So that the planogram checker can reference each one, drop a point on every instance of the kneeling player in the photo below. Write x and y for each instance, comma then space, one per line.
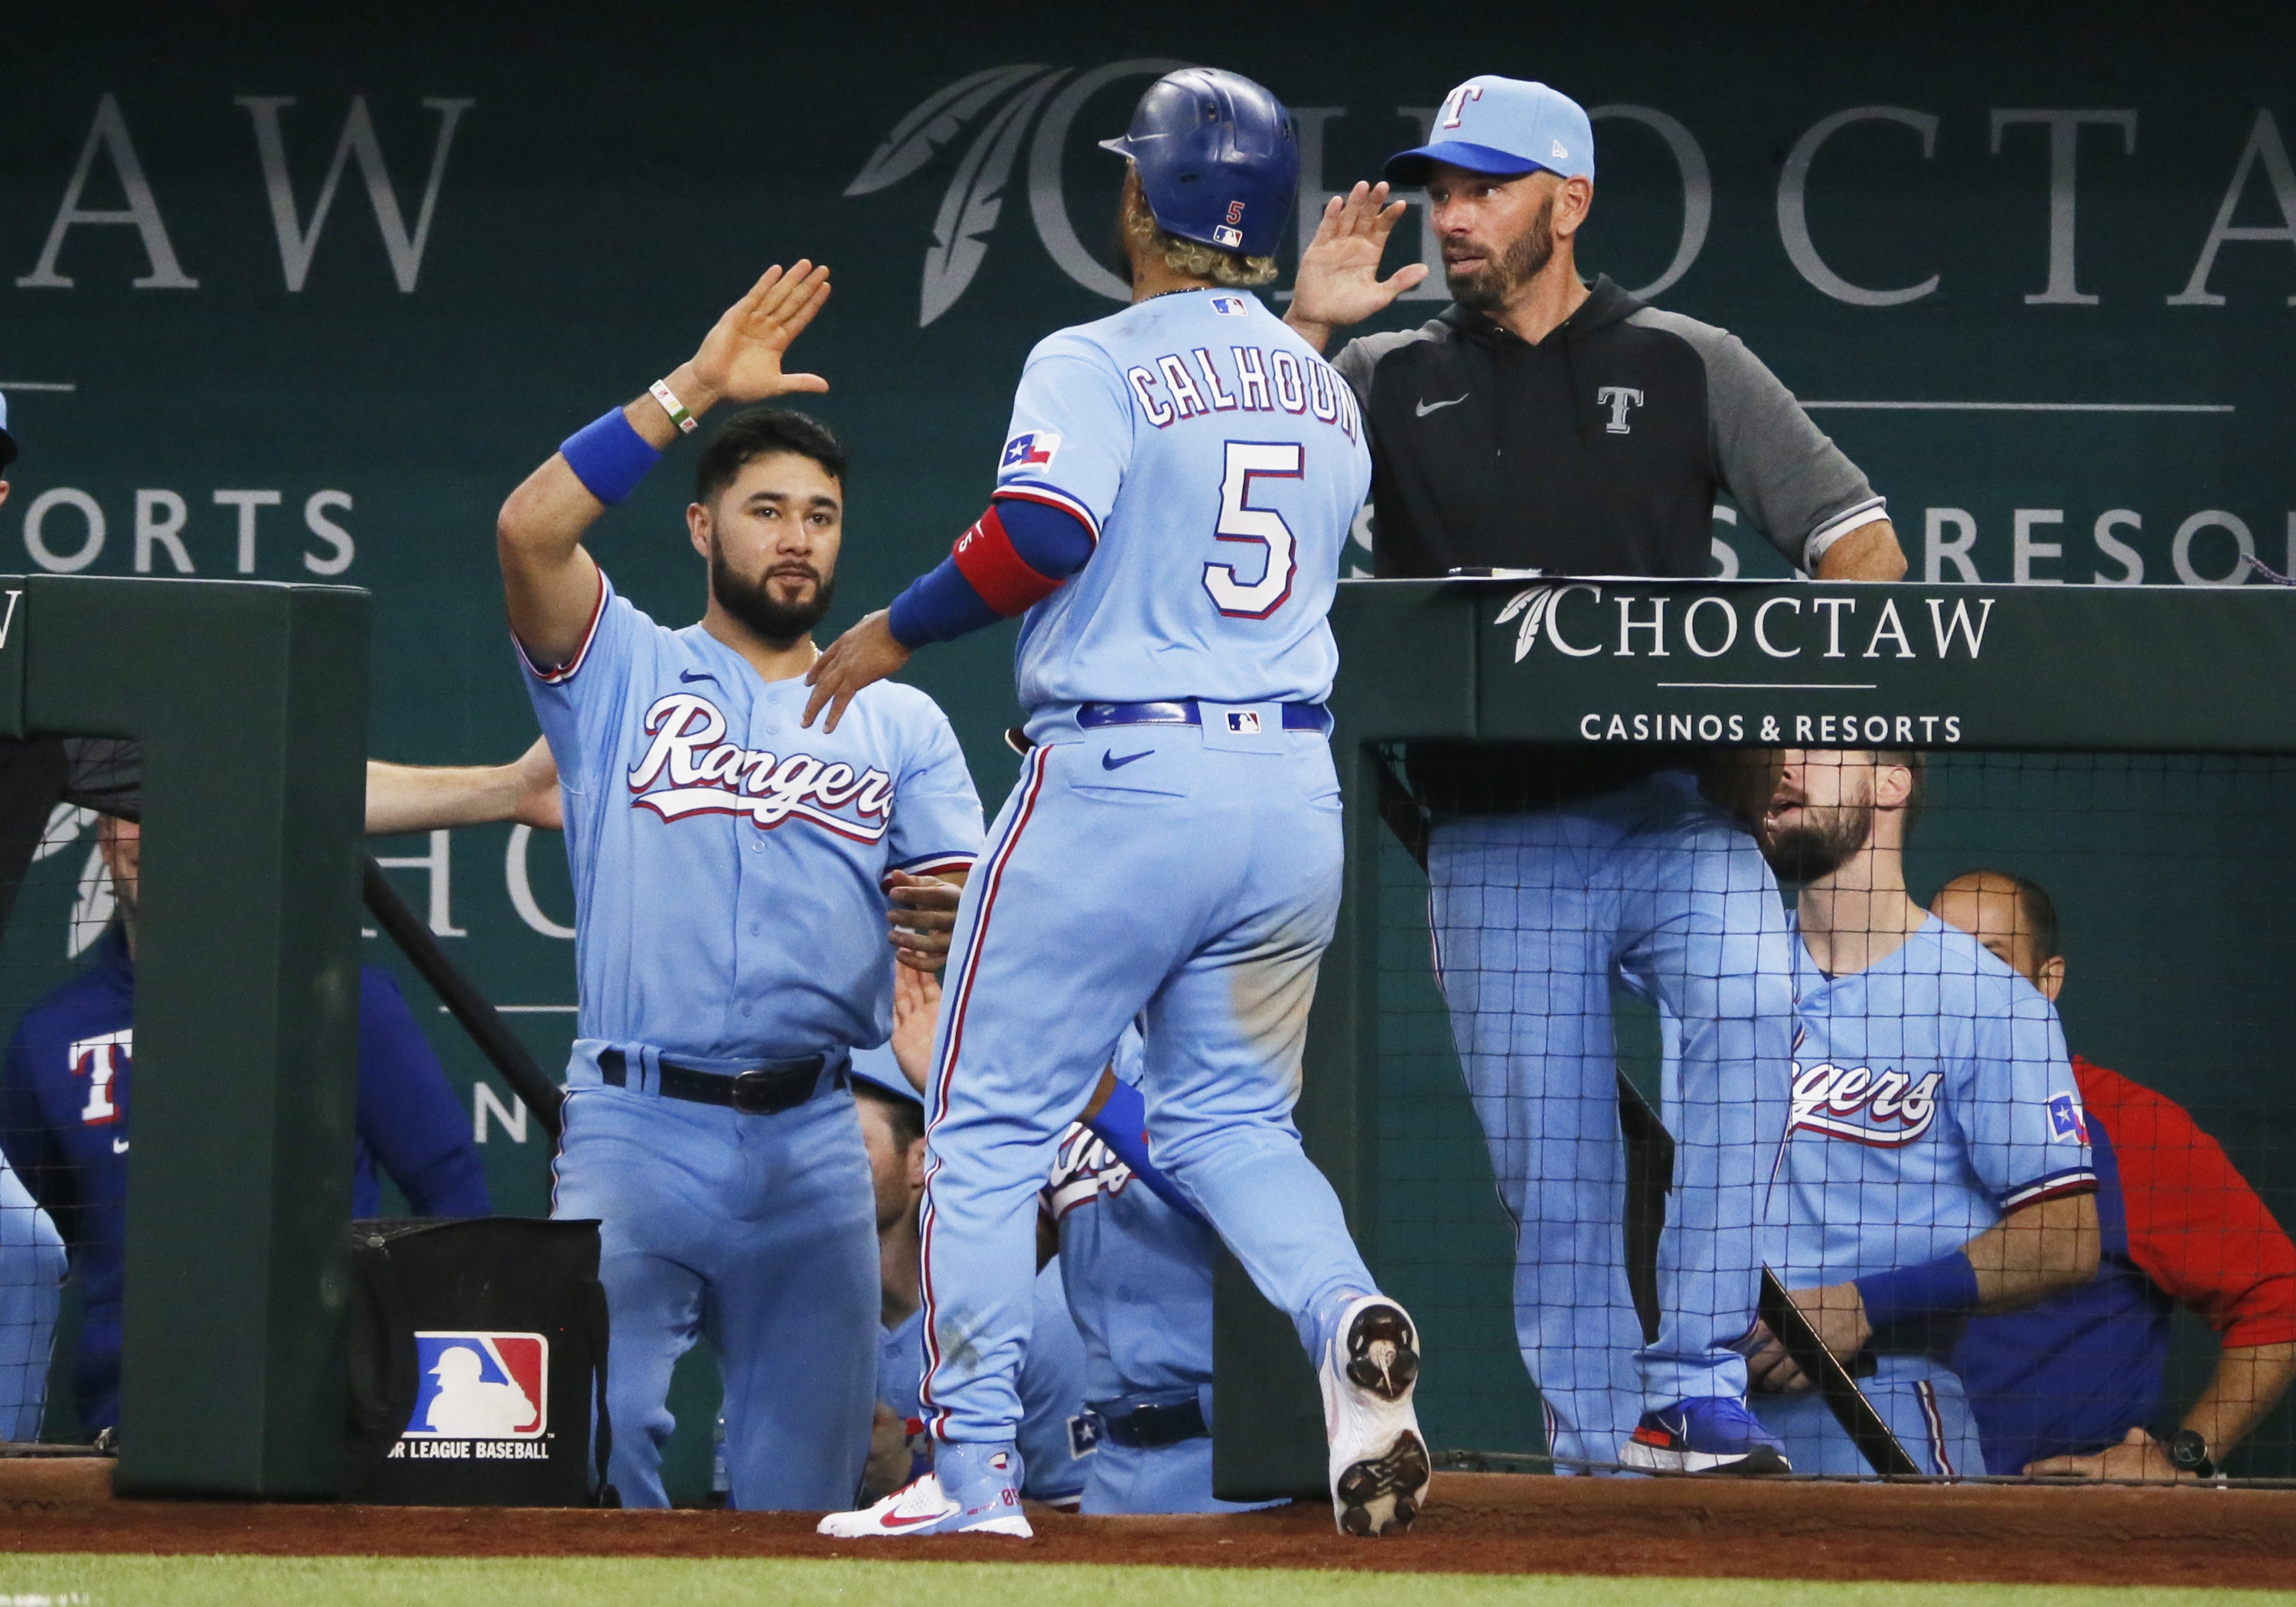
1936, 1163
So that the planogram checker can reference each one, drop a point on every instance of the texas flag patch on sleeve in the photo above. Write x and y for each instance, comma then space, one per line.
2065, 1121
1035, 449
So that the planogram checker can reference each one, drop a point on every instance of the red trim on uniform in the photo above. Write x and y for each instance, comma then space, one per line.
2195, 1227
2062, 1185
565, 672
1925, 1392
985, 557
959, 1001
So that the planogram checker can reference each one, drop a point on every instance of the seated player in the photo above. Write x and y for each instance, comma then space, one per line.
1139, 1265
64, 1120
2068, 1386
1935, 1164
1053, 1378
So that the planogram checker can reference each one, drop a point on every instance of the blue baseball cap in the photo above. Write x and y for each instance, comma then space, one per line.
881, 1071
7, 441
1495, 125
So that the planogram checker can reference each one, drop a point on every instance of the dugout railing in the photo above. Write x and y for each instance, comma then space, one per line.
2113, 687
249, 702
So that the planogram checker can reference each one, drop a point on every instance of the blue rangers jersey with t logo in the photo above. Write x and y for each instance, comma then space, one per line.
1933, 1095
1217, 462
729, 861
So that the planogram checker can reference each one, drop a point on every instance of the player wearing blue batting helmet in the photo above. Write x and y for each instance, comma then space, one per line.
1219, 163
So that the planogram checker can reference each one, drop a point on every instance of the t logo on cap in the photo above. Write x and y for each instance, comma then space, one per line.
1503, 126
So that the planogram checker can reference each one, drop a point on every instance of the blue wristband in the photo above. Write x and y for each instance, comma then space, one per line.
609, 456
1944, 1287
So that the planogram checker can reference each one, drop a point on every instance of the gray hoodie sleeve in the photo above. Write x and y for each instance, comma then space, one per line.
1791, 483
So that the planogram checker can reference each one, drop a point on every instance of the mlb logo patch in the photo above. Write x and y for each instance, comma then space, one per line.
2065, 1122
1230, 306
1233, 239
1243, 722
1036, 447
481, 1386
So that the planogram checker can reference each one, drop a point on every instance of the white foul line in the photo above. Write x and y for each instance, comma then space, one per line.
2028, 407
34, 385
1768, 685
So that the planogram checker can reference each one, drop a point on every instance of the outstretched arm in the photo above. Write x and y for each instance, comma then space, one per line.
424, 798
550, 582
1339, 282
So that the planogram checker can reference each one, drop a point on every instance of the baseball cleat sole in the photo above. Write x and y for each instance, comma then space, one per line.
1380, 1469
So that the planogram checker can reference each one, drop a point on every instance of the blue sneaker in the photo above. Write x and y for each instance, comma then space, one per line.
1706, 1434
972, 1489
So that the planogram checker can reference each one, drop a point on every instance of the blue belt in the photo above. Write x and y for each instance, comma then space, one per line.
1187, 711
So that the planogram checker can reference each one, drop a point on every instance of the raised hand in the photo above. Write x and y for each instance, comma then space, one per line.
740, 358
923, 917
1339, 282
917, 1012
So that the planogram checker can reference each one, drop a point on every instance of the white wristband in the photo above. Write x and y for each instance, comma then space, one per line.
660, 393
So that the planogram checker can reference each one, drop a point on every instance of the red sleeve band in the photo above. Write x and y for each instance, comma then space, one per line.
986, 557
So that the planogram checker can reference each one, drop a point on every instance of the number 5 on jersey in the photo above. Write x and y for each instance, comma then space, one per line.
1239, 521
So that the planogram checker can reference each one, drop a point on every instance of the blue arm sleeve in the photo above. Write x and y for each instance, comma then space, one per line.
939, 606
944, 604
1122, 1125
407, 1114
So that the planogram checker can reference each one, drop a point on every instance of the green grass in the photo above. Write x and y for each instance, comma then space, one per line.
135, 1581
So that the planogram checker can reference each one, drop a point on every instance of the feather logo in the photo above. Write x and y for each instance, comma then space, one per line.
999, 106
1532, 603
974, 201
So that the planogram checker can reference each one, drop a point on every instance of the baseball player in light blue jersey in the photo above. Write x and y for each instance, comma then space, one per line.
730, 871
1172, 500
1935, 1161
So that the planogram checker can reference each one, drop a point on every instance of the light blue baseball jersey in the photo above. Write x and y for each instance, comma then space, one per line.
1931, 1096
727, 862
1242, 457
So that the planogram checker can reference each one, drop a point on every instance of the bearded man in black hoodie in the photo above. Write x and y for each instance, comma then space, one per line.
1544, 426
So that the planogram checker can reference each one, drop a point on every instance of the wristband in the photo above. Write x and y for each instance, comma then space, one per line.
660, 393
1939, 1288
609, 456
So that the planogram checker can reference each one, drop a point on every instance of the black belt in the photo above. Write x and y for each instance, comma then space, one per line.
1187, 711
1152, 1423
760, 1091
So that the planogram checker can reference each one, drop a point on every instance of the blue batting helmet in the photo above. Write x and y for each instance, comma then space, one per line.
1218, 159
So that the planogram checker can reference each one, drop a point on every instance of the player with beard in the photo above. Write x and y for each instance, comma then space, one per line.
1545, 424
734, 876
1936, 1162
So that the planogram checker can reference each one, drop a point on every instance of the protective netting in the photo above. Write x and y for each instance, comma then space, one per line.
63, 1084
1933, 1102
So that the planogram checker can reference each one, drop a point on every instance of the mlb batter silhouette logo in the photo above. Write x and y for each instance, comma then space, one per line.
481, 1386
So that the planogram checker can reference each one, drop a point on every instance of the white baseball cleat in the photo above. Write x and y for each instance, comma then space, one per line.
1379, 1465
923, 1507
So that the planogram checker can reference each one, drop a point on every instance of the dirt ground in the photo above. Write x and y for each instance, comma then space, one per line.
1475, 1523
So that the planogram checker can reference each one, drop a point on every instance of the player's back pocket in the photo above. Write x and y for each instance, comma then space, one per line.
1130, 767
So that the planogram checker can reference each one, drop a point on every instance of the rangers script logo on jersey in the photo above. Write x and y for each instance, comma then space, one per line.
709, 775
1888, 1111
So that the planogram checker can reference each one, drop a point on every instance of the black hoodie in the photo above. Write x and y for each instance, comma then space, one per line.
1599, 451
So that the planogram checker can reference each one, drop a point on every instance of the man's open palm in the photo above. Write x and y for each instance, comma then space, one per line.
740, 358
1338, 281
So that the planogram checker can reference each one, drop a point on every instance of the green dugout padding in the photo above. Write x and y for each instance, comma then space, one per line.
1615, 663
250, 701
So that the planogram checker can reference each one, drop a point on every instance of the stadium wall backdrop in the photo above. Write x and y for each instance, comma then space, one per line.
299, 297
